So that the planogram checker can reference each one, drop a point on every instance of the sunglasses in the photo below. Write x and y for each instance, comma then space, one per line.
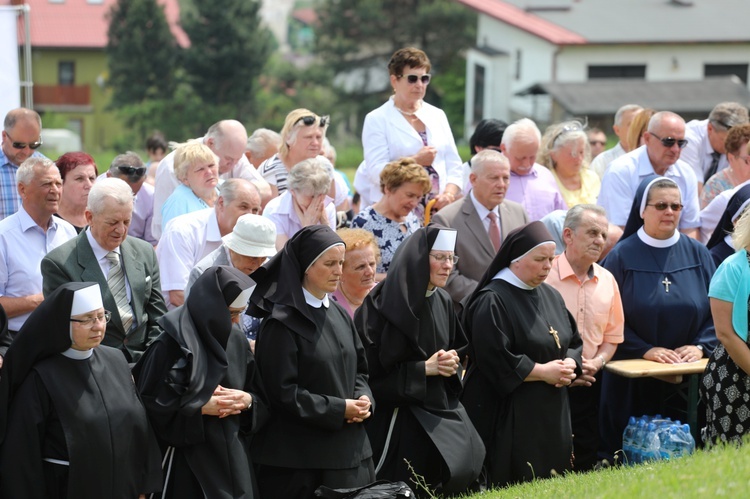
661, 206
24, 145
425, 78
671, 141
310, 120
132, 171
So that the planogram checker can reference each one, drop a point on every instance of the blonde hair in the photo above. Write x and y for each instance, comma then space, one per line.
290, 129
402, 171
741, 233
359, 238
637, 127
189, 154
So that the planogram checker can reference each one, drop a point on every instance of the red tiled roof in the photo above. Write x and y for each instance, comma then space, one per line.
80, 24
307, 16
525, 21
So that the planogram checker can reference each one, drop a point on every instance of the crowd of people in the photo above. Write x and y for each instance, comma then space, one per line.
228, 320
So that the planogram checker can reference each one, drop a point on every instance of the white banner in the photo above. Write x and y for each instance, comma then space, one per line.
10, 80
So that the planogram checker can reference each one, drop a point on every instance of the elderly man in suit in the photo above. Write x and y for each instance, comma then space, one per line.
482, 220
125, 268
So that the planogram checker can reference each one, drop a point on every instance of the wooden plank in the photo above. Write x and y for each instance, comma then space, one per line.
642, 368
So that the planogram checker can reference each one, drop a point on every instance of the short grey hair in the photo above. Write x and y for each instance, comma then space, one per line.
725, 115
523, 127
261, 140
109, 188
575, 215
485, 157
627, 108
28, 169
128, 159
229, 189
309, 175
560, 134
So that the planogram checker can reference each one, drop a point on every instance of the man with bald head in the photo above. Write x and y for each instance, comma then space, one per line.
22, 135
482, 219
228, 140
531, 184
665, 139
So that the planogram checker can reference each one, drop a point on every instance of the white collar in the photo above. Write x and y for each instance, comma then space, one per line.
728, 240
430, 292
482, 210
508, 276
658, 243
74, 354
99, 252
315, 302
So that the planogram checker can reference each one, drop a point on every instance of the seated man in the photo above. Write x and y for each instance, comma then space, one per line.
189, 238
125, 268
482, 219
130, 168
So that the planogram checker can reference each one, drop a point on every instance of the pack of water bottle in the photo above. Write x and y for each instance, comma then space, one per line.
655, 438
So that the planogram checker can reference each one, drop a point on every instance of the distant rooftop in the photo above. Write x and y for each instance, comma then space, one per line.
572, 22
606, 96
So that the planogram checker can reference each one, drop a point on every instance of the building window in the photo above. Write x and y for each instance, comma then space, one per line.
740, 70
478, 113
625, 71
66, 73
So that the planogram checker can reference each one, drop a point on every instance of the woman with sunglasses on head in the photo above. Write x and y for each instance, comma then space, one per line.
566, 152
663, 277
407, 126
71, 422
78, 171
302, 138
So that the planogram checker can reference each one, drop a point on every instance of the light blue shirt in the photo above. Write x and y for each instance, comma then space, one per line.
183, 200
23, 244
623, 177
9, 198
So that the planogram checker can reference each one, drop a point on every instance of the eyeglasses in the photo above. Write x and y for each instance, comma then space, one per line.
88, 323
310, 120
132, 171
24, 145
442, 258
425, 78
671, 141
661, 206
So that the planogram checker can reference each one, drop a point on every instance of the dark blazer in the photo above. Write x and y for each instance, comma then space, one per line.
473, 245
75, 261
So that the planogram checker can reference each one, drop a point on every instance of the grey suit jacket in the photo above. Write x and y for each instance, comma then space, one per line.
74, 261
216, 257
473, 245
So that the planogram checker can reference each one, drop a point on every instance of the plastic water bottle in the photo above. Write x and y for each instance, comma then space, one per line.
687, 437
628, 440
640, 437
651, 444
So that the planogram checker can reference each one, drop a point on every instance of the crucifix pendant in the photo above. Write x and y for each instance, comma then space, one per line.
554, 335
666, 283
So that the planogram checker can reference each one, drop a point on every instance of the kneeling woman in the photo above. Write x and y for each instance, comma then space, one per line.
415, 346
525, 352
71, 423
200, 387
315, 372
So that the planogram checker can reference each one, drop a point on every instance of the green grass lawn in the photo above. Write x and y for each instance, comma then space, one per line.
721, 472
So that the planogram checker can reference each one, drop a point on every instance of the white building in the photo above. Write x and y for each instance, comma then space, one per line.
553, 59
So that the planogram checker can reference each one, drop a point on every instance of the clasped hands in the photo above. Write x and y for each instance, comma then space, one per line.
442, 363
357, 410
226, 402
559, 372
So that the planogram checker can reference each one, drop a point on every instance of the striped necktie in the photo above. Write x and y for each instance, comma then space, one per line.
116, 283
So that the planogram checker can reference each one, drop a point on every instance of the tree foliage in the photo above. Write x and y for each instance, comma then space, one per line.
228, 51
141, 52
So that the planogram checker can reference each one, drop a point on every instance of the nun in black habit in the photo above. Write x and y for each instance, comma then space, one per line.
71, 422
414, 348
720, 242
202, 392
315, 371
524, 351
